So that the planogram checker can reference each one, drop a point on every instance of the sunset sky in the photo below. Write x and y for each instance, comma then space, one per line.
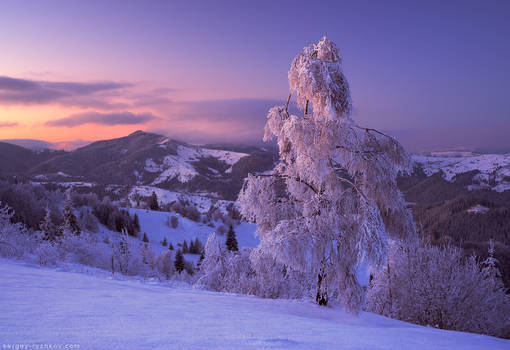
435, 74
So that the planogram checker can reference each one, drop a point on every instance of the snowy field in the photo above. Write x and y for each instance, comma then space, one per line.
154, 224
40, 306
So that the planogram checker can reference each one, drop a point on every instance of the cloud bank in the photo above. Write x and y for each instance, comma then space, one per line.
110, 119
14, 91
8, 124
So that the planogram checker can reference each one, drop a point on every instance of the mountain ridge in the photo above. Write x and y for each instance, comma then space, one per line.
142, 158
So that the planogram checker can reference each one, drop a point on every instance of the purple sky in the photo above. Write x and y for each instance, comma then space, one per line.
436, 74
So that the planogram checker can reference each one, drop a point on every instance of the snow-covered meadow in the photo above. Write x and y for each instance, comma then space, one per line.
154, 224
40, 306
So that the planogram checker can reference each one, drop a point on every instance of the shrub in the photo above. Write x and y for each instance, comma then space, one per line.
173, 221
438, 287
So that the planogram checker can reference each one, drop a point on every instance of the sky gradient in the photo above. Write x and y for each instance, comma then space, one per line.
435, 74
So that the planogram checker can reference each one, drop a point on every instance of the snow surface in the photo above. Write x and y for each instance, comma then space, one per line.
492, 167
202, 203
41, 306
154, 223
179, 166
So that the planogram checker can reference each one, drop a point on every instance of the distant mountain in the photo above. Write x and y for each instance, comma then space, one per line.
36, 145
463, 200
488, 171
17, 160
143, 159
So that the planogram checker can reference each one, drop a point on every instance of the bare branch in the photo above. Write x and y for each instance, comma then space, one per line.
287, 103
374, 130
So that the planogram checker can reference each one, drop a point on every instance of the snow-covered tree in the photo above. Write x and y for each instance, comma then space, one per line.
490, 267
332, 200
213, 265
70, 225
10, 233
164, 264
47, 226
122, 253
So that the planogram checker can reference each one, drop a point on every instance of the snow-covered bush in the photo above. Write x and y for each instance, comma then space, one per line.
332, 200
437, 286
173, 221
13, 237
248, 272
47, 253
164, 264
212, 268
87, 221
276, 280
127, 257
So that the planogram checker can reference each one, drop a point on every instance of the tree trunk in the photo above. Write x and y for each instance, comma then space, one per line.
322, 296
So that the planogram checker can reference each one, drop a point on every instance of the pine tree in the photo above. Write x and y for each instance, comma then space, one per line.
153, 203
179, 261
70, 225
136, 223
145, 238
171, 247
185, 249
199, 262
490, 267
231, 242
164, 243
198, 246
332, 200
147, 255
47, 227
191, 247
122, 253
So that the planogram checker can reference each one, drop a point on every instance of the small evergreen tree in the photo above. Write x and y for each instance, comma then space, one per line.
231, 242
179, 261
122, 253
70, 225
147, 257
47, 227
489, 265
145, 238
199, 262
153, 202
171, 247
136, 223
185, 249
164, 243
198, 246
191, 249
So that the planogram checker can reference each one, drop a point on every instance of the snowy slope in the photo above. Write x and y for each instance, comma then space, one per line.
180, 166
42, 306
494, 169
154, 223
202, 203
